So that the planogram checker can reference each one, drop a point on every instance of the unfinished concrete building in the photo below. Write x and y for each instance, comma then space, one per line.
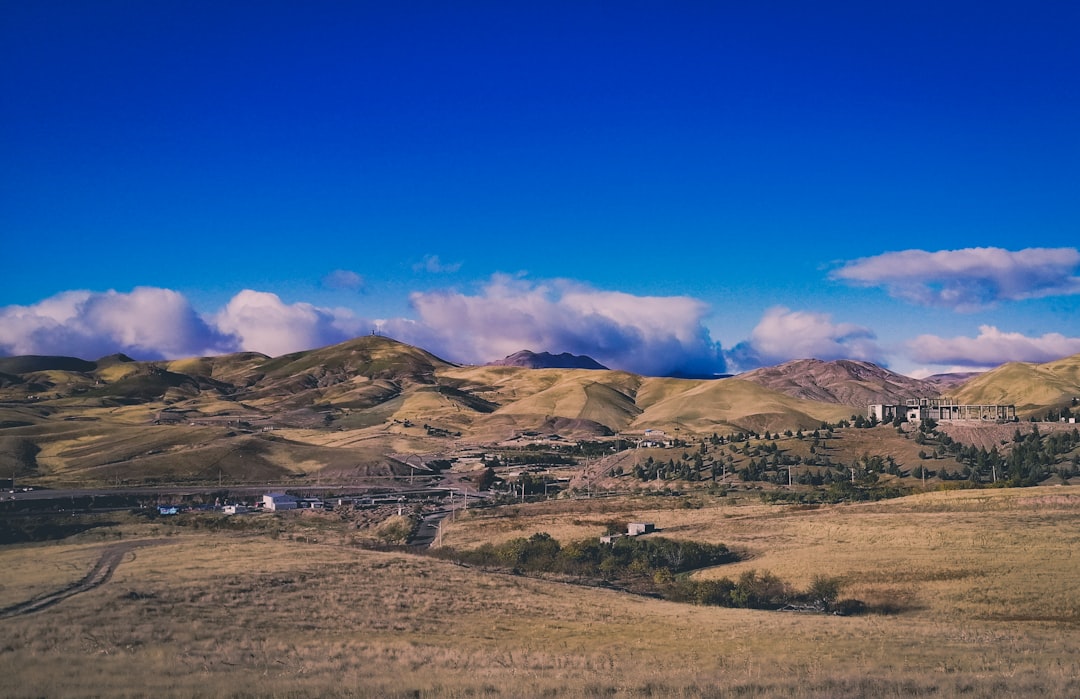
942, 410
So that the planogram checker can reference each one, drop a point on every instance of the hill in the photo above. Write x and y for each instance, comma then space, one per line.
348, 408
844, 381
1030, 387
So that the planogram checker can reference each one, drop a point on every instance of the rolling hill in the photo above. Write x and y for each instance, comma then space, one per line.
349, 407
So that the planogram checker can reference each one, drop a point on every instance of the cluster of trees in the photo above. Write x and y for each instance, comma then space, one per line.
656, 566
527, 458
1032, 459
627, 556
685, 469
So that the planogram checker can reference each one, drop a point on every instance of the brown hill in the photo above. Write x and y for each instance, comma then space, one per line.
844, 381
346, 408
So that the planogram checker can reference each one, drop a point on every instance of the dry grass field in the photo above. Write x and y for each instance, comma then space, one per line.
985, 585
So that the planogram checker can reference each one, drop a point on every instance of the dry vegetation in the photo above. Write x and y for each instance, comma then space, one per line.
985, 585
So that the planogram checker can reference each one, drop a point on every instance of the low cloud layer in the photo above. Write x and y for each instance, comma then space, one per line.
147, 323
654, 335
968, 279
153, 323
649, 335
992, 348
783, 335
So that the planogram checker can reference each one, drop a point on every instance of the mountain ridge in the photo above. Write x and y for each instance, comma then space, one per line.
345, 408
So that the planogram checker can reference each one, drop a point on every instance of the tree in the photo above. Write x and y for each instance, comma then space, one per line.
824, 591
487, 479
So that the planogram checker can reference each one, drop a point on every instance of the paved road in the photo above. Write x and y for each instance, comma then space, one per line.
100, 574
428, 530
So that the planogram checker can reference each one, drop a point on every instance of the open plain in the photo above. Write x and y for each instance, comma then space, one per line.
981, 589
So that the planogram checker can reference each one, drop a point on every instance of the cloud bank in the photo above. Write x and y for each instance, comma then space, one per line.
783, 335
147, 323
992, 348
968, 279
645, 334
650, 335
653, 335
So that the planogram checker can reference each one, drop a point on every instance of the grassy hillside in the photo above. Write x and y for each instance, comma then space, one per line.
1028, 386
722, 405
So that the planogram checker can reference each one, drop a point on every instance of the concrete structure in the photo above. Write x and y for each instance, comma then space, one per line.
638, 528
278, 501
942, 410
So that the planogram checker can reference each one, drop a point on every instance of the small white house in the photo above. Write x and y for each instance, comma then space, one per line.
279, 501
639, 528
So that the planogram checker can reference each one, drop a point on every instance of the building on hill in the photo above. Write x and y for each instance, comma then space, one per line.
942, 410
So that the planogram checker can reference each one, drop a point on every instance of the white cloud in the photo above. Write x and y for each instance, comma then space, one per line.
968, 279
648, 335
992, 348
148, 323
262, 322
433, 265
783, 335
343, 279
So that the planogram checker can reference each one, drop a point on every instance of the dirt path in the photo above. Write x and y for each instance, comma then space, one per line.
100, 574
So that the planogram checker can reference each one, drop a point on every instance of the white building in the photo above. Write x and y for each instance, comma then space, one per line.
279, 501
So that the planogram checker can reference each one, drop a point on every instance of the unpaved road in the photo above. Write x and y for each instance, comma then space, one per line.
111, 557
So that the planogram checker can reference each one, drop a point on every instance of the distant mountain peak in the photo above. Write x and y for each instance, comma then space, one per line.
545, 360
845, 381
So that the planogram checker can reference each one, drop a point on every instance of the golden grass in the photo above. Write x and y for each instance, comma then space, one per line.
28, 571
989, 577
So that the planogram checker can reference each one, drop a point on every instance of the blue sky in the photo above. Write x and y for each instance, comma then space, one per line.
667, 187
